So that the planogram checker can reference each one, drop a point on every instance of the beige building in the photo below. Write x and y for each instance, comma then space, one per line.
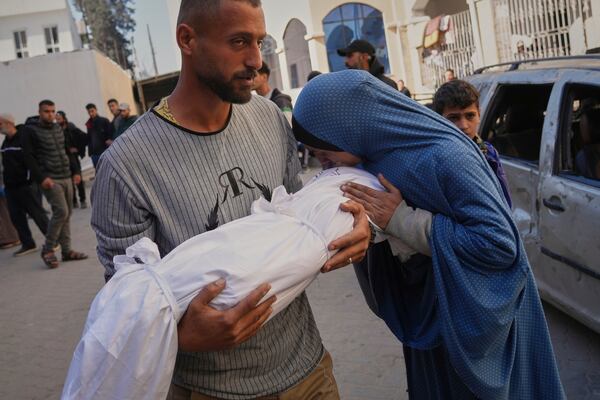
461, 34
41, 57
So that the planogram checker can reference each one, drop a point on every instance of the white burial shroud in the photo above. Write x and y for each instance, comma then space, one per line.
129, 342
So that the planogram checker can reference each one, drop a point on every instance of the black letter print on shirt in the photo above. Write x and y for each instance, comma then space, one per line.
233, 176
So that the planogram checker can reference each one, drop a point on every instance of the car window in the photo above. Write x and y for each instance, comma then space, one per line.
514, 121
579, 143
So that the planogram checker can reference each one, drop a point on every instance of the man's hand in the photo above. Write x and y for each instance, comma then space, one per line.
203, 328
47, 183
353, 246
108, 142
380, 206
77, 179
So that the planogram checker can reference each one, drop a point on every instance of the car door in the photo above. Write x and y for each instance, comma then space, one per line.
568, 270
522, 167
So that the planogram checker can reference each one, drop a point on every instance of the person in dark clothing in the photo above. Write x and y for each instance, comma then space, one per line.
77, 138
262, 87
126, 119
17, 180
403, 89
113, 106
100, 132
56, 169
8, 234
360, 54
283, 101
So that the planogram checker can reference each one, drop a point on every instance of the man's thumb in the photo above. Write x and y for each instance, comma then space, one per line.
210, 291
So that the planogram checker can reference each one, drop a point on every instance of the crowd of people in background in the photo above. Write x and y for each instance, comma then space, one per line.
41, 159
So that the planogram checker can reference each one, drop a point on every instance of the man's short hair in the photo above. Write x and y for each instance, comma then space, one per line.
264, 69
450, 70
46, 102
456, 93
89, 106
112, 101
62, 114
196, 12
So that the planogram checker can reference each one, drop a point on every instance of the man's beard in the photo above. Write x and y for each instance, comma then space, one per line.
226, 89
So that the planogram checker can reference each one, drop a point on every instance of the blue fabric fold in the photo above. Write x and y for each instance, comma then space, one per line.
477, 296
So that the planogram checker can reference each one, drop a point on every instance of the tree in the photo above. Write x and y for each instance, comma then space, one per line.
110, 23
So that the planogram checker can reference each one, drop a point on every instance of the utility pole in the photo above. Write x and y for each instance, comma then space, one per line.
152, 50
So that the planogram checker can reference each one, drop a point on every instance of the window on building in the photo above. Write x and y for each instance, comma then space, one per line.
51, 34
296, 53
579, 140
21, 44
516, 121
352, 21
270, 56
294, 80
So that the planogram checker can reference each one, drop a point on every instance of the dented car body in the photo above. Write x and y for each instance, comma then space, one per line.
536, 115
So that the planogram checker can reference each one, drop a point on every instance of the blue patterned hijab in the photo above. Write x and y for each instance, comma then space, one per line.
488, 313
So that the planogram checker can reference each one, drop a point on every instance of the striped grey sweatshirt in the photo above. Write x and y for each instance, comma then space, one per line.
167, 183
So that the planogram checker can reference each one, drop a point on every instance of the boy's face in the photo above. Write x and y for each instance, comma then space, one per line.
466, 119
331, 159
114, 108
92, 112
47, 113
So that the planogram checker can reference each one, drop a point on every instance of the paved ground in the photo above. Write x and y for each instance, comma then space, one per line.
42, 314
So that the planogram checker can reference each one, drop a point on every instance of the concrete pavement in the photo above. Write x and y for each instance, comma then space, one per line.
43, 311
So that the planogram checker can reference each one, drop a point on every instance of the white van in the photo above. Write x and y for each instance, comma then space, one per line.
542, 117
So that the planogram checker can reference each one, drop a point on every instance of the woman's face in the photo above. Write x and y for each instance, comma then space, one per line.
331, 159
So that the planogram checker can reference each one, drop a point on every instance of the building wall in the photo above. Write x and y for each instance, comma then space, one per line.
16, 7
71, 80
34, 24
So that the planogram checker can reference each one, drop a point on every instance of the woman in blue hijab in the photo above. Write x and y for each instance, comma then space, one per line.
467, 309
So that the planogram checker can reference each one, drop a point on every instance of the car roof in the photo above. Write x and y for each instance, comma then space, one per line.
587, 62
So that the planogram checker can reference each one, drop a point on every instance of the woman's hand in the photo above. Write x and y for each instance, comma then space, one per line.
380, 206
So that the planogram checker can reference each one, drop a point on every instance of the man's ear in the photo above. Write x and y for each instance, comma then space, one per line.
185, 36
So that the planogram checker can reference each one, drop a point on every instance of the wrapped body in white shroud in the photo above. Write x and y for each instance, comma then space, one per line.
129, 343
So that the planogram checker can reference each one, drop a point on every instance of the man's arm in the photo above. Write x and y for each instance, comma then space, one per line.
71, 151
119, 216
291, 180
108, 131
28, 143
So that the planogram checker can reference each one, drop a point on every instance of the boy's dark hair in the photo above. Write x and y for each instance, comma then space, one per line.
456, 93
312, 75
62, 114
90, 106
264, 69
112, 101
45, 102
196, 12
